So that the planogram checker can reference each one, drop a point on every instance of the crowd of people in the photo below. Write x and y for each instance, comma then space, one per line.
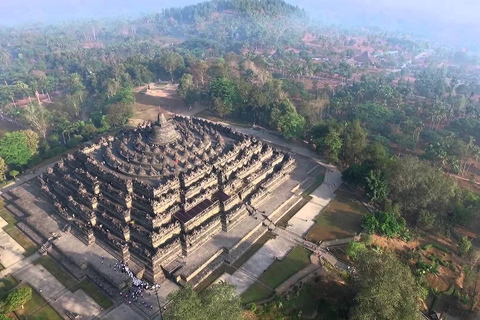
140, 289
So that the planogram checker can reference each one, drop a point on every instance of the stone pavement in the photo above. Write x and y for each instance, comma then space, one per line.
40, 279
299, 224
52, 290
10, 251
304, 219
122, 312
254, 267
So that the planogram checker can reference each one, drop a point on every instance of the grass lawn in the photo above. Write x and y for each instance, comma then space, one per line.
37, 309
48, 263
255, 293
7, 216
94, 292
277, 273
341, 219
21, 239
7, 284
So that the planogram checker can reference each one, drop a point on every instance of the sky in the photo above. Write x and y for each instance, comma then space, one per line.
449, 19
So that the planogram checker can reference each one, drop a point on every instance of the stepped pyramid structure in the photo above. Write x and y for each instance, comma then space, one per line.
156, 194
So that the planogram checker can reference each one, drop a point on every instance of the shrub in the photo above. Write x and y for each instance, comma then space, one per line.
74, 141
427, 246
440, 247
355, 248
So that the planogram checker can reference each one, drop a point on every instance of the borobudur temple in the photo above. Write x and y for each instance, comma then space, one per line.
158, 192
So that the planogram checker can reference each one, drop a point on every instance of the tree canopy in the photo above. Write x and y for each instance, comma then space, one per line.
14, 148
219, 301
16, 299
386, 288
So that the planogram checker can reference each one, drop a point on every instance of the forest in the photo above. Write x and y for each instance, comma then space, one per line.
404, 129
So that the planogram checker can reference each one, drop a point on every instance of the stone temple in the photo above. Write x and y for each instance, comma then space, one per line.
155, 195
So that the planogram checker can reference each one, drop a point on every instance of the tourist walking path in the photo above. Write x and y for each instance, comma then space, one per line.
298, 225
279, 247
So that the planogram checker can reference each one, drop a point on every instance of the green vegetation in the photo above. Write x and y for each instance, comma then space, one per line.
397, 294
21, 239
340, 219
37, 308
7, 284
52, 266
464, 246
276, 274
9, 218
219, 301
388, 224
437, 246
94, 292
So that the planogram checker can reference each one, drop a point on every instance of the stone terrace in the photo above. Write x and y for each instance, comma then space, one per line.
176, 202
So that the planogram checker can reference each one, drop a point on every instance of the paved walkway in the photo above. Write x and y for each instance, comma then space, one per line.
52, 290
298, 225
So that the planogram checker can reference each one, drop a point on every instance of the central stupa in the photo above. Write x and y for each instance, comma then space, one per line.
163, 132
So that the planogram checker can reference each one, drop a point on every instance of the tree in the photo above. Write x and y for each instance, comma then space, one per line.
13, 174
331, 145
38, 117
370, 223
386, 289
376, 186
224, 95
17, 299
355, 248
219, 301
292, 125
171, 61
118, 114
31, 140
88, 130
185, 88
354, 141
125, 95
198, 69
3, 169
464, 246
416, 186
14, 149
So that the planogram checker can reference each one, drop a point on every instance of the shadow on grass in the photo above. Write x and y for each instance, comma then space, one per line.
340, 219
276, 274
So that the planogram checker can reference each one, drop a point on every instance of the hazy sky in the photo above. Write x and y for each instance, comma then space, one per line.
446, 17
12, 11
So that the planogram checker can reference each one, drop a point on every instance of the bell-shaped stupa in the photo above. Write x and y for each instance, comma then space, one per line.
163, 132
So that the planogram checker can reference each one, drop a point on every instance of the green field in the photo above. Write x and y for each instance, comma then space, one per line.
7, 216
37, 309
21, 239
276, 274
7, 284
52, 266
341, 219
94, 292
